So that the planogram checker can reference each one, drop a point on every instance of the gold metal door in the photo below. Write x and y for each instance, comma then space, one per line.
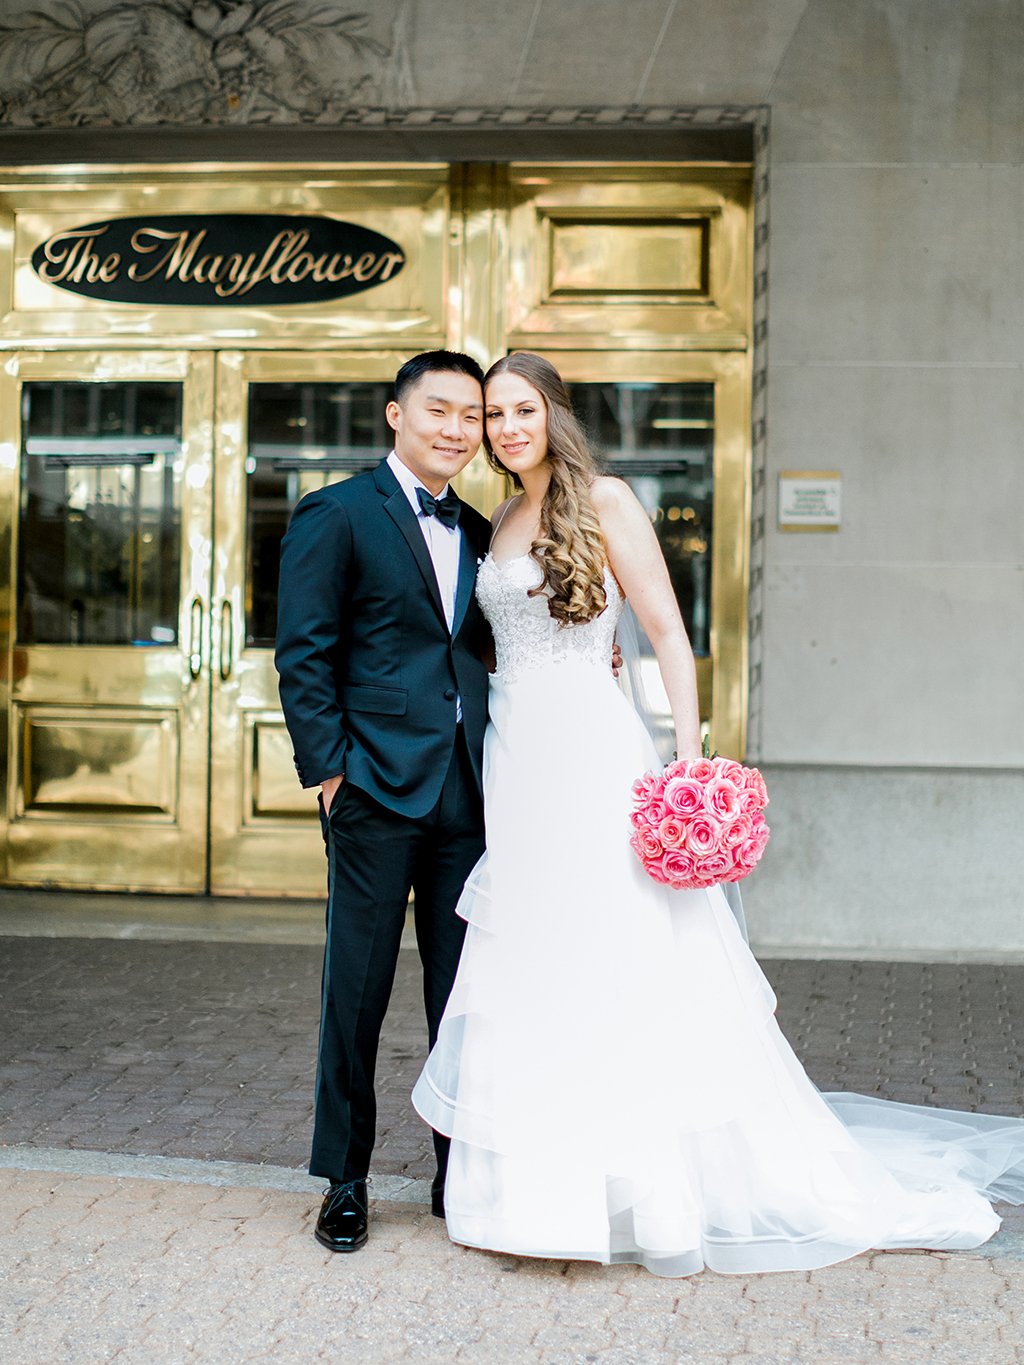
286, 423
106, 487
635, 281
144, 492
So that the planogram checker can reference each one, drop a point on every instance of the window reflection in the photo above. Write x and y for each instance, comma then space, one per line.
660, 439
99, 542
301, 437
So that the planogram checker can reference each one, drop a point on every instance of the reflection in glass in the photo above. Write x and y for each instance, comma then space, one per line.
301, 437
99, 540
660, 439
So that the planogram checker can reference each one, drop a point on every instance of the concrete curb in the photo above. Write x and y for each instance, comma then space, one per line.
1008, 1243
185, 1171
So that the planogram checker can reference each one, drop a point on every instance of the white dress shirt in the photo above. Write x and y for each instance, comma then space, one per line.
443, 542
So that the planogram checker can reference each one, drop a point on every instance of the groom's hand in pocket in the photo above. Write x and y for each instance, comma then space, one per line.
329, 790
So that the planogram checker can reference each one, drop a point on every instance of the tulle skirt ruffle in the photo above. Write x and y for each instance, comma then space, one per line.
609, 1068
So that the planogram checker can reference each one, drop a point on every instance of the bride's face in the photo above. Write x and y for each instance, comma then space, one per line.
517, 422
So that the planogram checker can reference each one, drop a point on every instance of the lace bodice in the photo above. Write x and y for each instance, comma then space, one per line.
525, 635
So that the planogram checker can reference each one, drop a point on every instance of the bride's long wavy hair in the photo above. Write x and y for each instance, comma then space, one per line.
569, 548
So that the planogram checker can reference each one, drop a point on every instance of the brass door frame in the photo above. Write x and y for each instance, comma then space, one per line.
163, 849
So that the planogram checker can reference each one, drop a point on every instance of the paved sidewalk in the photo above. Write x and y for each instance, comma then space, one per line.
206, 1050
154, 1122
149, 1272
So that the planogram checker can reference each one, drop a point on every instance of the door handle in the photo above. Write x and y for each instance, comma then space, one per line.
195, 643
227, 641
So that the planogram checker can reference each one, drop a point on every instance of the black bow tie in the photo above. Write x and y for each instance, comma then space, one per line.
446, 509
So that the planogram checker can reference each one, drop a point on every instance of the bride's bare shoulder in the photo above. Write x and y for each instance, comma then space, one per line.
609, 494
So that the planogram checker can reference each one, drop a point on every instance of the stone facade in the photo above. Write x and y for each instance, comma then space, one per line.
892, 650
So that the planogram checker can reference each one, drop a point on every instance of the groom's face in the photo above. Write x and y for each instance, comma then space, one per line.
438, 426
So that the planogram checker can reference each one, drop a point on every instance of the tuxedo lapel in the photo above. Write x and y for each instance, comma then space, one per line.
397, 506
466, 580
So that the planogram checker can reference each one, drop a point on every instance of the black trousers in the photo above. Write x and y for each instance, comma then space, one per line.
374, 858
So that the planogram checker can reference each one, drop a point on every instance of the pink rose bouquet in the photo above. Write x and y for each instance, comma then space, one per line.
699, 822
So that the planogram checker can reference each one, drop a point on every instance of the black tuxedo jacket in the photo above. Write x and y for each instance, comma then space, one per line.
369, 673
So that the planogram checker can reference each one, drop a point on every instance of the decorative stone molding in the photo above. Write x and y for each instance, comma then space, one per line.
83, 63
574, 116
759, 434
66, 63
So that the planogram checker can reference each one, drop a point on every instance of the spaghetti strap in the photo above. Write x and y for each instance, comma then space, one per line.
497, 528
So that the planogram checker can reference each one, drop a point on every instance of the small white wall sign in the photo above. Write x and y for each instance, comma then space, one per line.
810, 499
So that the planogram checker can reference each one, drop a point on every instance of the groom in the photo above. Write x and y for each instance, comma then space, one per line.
379, 649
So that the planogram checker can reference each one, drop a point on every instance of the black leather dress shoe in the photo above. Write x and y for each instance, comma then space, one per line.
342, 1222
437, 1203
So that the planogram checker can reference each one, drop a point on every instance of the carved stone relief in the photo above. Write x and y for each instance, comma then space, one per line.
69, 63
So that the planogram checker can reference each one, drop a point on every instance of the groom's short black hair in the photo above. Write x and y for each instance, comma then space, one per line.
429, 362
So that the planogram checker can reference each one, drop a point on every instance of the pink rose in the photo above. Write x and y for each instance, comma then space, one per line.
722, 798
755, 784
678, 867
655, 813
647, 844
732, 771
701, 770
636, 843
715, 867
652, 845
684, 796
643, 787
655, 868
672, 831
737, 831
703, 835
748, 853
750, 801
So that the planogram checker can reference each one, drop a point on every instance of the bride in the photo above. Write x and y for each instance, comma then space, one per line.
609, 1068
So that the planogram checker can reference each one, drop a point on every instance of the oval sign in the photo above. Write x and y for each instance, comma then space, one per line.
204, 260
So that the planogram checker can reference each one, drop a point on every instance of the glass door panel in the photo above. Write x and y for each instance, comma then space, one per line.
99, 538
108, 706
301, 436
675, 428
660, 439
287, 424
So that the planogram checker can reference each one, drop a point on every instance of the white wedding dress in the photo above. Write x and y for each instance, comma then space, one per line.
609, 1068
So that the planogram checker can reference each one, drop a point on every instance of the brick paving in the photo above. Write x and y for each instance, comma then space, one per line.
200, 1050
205, 1051
925, 1033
